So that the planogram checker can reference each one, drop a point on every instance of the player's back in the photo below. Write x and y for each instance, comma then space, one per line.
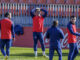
6, 28
55, 36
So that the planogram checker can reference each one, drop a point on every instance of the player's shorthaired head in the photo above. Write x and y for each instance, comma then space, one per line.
8, 15
38, 11
55, 23
73, 19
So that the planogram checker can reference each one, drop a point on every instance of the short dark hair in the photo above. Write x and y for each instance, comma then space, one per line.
55, 23
72, 17
6, 14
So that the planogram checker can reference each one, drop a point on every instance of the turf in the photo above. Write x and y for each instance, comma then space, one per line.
18, 53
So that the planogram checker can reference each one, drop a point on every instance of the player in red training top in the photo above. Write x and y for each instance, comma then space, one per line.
7, 33
72, 33
38, 28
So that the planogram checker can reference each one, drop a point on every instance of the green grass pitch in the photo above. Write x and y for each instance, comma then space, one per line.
17, 53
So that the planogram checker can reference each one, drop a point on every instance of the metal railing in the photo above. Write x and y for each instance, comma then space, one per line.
21, 13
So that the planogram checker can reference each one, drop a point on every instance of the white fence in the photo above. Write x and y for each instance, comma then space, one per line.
21, 13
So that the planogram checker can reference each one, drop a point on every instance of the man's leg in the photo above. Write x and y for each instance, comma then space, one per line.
51, 53
71, 51
76, 51
3, 42
0, 44
8, 44
41, 39
35, 38
59, 51
11, 41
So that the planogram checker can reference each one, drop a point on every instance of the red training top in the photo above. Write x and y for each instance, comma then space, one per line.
6, 28
38, 24
71, 37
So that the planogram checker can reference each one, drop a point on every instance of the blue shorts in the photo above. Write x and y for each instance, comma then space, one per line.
38, 36
5, 42
73, 51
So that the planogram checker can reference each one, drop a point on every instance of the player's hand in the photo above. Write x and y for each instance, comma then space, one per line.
46, 41
13, 39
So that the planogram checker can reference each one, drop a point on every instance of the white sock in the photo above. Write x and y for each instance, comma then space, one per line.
43, 52
35, 52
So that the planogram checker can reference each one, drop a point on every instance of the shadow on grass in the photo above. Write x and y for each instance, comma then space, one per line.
39, 54
26, 54
63, 54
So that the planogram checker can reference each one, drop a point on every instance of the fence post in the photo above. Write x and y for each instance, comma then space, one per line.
69, 12
13, 10
53, 11
2, 10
